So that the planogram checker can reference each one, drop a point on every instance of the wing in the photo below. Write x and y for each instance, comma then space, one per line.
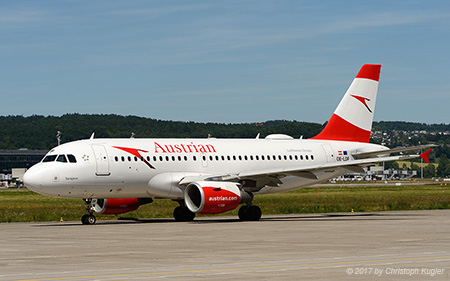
272, 177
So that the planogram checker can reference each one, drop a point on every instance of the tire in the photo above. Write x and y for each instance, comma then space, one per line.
254, 213
88, 219
243, 213
249, 213
183, 214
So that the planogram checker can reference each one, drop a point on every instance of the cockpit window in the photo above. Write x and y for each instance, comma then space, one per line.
61, 158
71, 158
49, 158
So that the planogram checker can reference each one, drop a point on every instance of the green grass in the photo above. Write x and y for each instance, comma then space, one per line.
23, 205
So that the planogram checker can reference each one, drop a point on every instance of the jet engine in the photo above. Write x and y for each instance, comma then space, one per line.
118, 206
209, 197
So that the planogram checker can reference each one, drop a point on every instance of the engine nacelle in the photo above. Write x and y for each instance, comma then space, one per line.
118, 206
209, 197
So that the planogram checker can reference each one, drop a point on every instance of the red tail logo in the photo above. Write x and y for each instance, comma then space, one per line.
364, 101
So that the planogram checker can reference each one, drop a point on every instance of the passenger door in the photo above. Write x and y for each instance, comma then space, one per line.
101, 159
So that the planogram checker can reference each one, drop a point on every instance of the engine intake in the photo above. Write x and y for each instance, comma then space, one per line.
209, 197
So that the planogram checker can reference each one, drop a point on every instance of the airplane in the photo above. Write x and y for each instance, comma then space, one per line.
212, 176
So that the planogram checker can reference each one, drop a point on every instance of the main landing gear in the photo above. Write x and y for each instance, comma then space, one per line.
88, 219
182, 213
249, 213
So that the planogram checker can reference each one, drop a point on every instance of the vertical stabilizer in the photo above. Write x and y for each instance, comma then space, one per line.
352, 119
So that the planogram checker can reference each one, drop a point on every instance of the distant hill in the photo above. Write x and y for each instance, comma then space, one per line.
409, 126
39, 132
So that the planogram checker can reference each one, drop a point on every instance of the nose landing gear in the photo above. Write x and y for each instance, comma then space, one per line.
89, 219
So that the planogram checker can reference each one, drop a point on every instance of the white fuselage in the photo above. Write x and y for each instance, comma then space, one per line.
125, 168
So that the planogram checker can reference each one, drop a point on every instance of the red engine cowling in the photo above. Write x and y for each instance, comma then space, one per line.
117, 206
208, 197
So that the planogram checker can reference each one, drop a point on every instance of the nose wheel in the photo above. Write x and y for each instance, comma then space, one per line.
88, 219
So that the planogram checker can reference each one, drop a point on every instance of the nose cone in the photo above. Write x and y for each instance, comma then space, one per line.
33, 179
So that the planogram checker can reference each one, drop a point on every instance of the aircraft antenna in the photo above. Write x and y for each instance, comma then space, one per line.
58, 137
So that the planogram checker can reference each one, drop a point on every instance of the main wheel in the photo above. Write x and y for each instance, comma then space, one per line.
88, 219
249, 213
183, 214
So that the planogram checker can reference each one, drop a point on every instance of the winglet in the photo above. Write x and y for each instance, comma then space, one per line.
424, 155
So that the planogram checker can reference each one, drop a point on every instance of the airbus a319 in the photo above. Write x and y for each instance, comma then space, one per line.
212, 176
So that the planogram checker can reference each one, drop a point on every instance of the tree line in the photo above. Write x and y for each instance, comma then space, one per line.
39, 132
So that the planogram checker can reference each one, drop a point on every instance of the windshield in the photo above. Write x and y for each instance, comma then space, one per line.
60, 158
49, 158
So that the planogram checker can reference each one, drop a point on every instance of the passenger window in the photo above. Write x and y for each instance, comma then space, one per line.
61, 158
49, 158
71, 158
312, 157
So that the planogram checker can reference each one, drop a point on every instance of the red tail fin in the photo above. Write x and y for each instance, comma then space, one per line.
352, 119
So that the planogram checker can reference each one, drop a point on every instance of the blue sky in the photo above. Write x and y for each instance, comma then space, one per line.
223, 61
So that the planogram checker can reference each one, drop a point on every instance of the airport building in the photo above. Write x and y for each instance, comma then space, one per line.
14, 163
22, 158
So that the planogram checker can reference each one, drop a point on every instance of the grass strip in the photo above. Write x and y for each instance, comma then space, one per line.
21, 205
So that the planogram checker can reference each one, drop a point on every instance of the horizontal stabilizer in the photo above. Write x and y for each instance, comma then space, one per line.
424, 155
386, 152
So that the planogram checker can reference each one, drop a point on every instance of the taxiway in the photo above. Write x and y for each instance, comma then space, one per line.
407, 245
